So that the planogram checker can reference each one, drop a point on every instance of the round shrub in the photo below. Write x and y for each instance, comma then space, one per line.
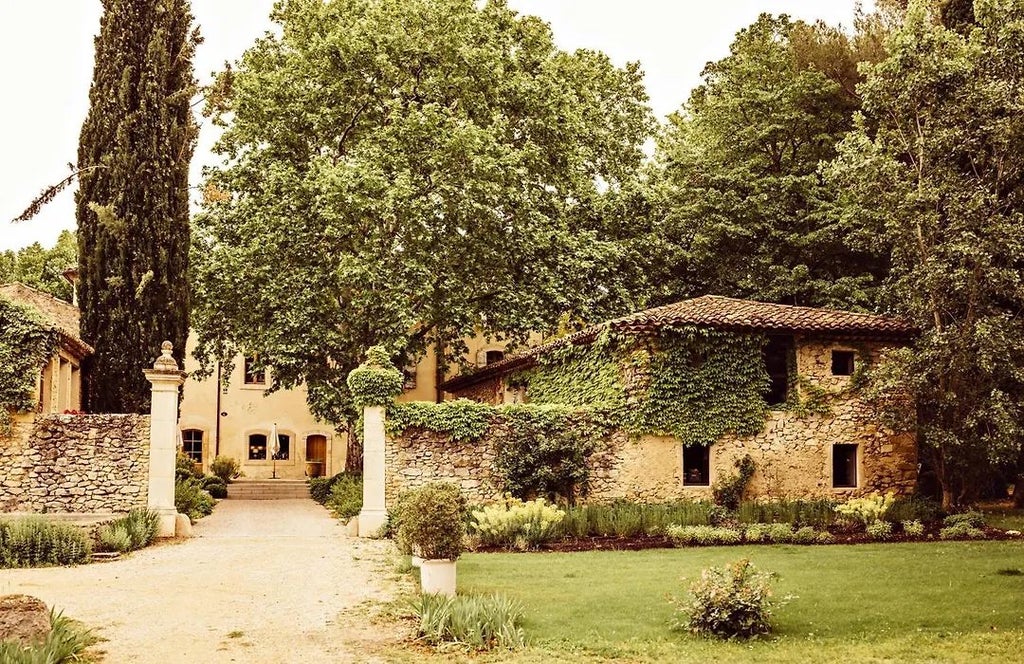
375, 382
962, 530
973, 519
879, 530
703, 535
728, 602
913, 528
346, 496
216, 490
432, 521
225, 468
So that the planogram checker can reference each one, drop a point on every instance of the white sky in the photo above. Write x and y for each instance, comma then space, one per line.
47, 50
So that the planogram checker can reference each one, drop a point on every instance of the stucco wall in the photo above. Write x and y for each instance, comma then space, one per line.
792, 454
75, 463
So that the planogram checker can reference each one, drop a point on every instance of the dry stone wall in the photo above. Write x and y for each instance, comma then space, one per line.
75, 463
792, 454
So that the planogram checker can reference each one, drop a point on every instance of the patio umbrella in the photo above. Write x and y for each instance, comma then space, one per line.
274, 447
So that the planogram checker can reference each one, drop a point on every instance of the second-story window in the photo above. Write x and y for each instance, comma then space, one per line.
254, 375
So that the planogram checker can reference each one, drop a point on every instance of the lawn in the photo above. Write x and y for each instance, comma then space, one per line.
943, 601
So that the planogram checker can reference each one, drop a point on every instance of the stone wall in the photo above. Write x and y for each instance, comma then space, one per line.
75, 463
792, 454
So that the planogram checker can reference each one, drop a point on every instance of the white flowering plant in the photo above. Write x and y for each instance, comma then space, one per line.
516, 524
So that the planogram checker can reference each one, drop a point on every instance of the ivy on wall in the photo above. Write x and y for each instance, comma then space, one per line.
375, 382
689, 382
26, 342
461, 420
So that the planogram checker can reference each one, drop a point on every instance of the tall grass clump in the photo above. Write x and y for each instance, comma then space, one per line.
35, 542
346, 496
516, 524
63, 644
129, 533
481, 622
628, 519
815, 513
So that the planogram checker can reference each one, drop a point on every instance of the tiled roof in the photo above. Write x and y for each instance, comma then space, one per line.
60, 315
724, 313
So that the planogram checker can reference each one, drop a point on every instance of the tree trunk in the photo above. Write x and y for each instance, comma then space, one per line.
1018, 485
354, 451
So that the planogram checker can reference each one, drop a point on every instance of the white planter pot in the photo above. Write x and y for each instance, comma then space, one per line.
437, 577
416, 561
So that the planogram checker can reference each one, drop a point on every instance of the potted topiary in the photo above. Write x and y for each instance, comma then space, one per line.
433, 523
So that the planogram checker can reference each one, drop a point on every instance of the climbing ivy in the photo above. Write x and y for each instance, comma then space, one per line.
462, 420
807, 398
375, 382
26, 342
584, 376
703, 383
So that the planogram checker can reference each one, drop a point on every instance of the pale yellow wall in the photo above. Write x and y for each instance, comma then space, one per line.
247, 409
250, 411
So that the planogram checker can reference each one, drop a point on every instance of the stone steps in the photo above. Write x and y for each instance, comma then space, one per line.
268, 489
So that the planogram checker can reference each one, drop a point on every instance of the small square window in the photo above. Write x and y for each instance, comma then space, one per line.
492, 356
696, 465
254, 376
844, 466
842, 363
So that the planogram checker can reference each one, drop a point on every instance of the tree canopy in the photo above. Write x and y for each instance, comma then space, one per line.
132, 204
42, 268
408, 173
934, 170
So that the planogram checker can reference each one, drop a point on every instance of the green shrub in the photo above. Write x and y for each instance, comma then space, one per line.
190, 499
480, 622
114, 537
728, 491
432, 521
816, 513
914, 508
961, 530
185, 467
218, 491
728, 602
63, 644
703, 535
806, 535
879, 530
868, 509
346, 497
777, 533
628, 519
35, 542
206, 481
320, 487
913, 528
375, 382
225, 468
514, 524
972, 519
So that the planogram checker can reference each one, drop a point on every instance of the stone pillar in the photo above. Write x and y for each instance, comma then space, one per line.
163, 437
374, 513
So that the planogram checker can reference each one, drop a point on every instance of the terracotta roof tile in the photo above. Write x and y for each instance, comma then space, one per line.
719, 312
60, 315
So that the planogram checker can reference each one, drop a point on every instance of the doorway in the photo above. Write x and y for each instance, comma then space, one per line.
316, 455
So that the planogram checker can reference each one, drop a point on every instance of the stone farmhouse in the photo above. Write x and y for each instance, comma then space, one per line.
820, 438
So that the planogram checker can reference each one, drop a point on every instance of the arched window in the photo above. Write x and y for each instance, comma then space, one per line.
258, 447
192, 444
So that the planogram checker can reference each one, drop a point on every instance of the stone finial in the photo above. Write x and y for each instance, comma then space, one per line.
165, 362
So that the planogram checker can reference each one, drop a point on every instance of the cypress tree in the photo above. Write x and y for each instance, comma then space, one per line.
132, 205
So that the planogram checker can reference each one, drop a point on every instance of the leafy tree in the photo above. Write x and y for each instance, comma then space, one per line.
935, 169
742, 206
407, 173
132, 203
42, 268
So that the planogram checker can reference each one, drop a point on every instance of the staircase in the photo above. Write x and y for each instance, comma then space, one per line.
243, 489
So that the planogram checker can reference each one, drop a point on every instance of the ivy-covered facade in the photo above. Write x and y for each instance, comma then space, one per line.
698, 385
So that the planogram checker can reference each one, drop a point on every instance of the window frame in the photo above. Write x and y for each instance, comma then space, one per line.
848, 358
185, 444
706, 462
855, 468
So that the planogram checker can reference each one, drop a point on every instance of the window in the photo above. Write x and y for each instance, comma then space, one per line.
192, 444
696, 465
842, 363
777, 355
844, 466
409, 377
257, 447
284, 445
492, 356
254, 376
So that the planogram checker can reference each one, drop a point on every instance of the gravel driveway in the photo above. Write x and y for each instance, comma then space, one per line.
267, 581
